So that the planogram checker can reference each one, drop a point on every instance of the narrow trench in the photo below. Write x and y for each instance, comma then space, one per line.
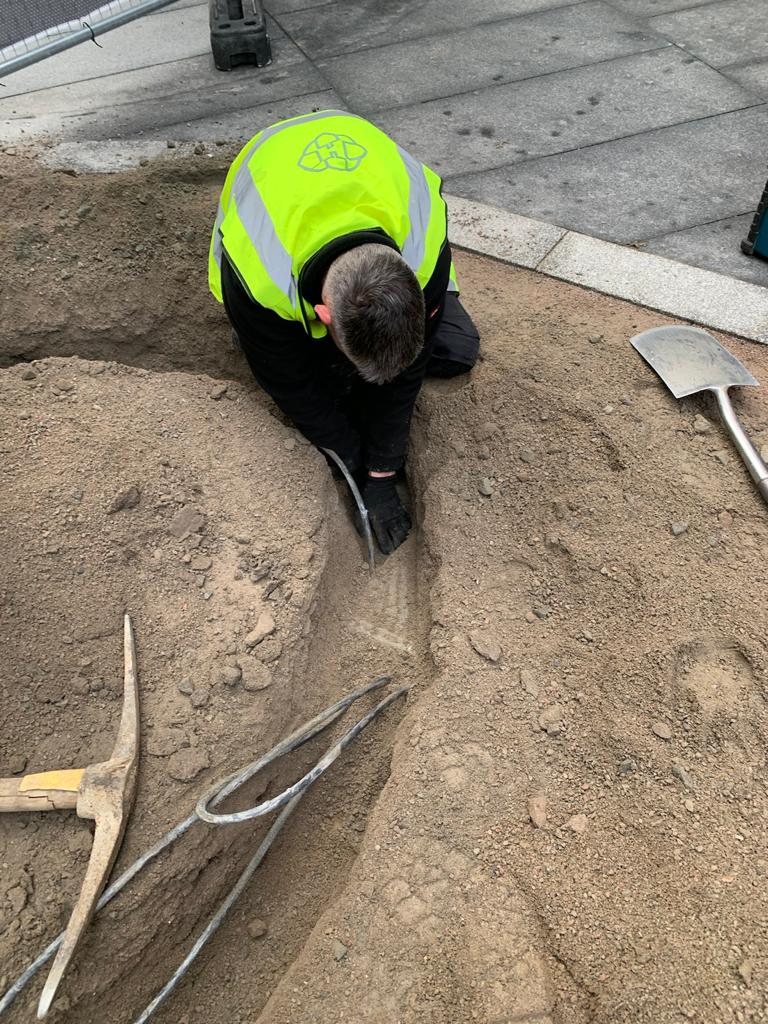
140, 350
364, 626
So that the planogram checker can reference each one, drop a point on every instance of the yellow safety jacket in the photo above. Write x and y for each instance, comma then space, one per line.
300, 184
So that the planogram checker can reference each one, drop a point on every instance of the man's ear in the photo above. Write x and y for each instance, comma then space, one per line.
323, 313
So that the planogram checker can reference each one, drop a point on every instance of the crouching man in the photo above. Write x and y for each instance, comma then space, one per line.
330, 253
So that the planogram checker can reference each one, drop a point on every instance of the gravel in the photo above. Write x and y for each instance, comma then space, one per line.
128, 498
551, 720
684, 776
164, 741
578, 824
486, 645
185, 765
258, 677
263, 628
230, 675
186, 521
537, 810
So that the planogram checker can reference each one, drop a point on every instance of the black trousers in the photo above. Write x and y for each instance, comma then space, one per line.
455, 342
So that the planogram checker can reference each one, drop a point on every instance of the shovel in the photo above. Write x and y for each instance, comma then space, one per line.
689, 360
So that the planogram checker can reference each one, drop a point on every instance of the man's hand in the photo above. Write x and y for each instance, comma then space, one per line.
388, 516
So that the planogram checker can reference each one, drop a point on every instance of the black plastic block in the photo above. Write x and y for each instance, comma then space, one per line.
238, 33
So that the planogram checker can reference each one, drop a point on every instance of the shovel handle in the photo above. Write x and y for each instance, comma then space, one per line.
757, 468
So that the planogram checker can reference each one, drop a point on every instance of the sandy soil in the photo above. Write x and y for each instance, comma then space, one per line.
566, 823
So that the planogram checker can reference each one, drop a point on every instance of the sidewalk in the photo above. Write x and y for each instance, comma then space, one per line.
644, 130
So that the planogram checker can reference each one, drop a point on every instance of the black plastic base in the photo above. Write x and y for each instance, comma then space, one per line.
238, 34
747, 246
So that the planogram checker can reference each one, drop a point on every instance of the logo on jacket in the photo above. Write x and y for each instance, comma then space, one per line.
332, 152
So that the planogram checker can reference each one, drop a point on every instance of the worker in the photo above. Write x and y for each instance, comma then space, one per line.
331, 256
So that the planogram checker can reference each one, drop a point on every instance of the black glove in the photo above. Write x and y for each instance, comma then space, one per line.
388, 516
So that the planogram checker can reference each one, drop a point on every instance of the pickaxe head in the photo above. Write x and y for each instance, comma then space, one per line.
103, 792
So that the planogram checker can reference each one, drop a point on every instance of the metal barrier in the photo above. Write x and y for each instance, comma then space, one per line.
31, 30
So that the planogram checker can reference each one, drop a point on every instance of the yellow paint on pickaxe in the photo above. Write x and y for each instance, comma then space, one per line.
102, 792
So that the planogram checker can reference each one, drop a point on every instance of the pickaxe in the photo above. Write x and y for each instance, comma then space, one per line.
103, 792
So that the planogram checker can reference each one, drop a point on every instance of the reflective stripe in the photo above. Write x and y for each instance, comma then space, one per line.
217, 247
419, 211
452, 286
246, 203
255, 218
258, 225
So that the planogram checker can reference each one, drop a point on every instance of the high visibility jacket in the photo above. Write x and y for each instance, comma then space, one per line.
300, 184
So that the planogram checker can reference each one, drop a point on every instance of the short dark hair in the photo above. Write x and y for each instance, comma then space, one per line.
377, 310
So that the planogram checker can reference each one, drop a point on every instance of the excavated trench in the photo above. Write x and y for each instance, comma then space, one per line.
310, 864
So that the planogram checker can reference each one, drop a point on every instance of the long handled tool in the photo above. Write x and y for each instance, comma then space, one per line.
689, 360
103, 792
286, 800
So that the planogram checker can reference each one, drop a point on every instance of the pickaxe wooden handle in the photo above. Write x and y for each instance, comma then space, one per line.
46, 791
103, 792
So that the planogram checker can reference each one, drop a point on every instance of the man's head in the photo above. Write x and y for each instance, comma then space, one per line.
374, 308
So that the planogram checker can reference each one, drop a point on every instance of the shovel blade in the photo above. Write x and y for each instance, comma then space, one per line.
689, 360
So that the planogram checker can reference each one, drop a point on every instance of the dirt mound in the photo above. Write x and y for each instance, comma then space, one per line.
112, 266
568, 821
575, 827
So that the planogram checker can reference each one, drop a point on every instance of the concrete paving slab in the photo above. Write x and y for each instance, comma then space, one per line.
720, 33
562, 111
344, 27
485, 55
137, 102
690, 293
650, 8
279, 6
241, 124
752, 76
494, 232
236, 127
714, 247
167, 36
650, 184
